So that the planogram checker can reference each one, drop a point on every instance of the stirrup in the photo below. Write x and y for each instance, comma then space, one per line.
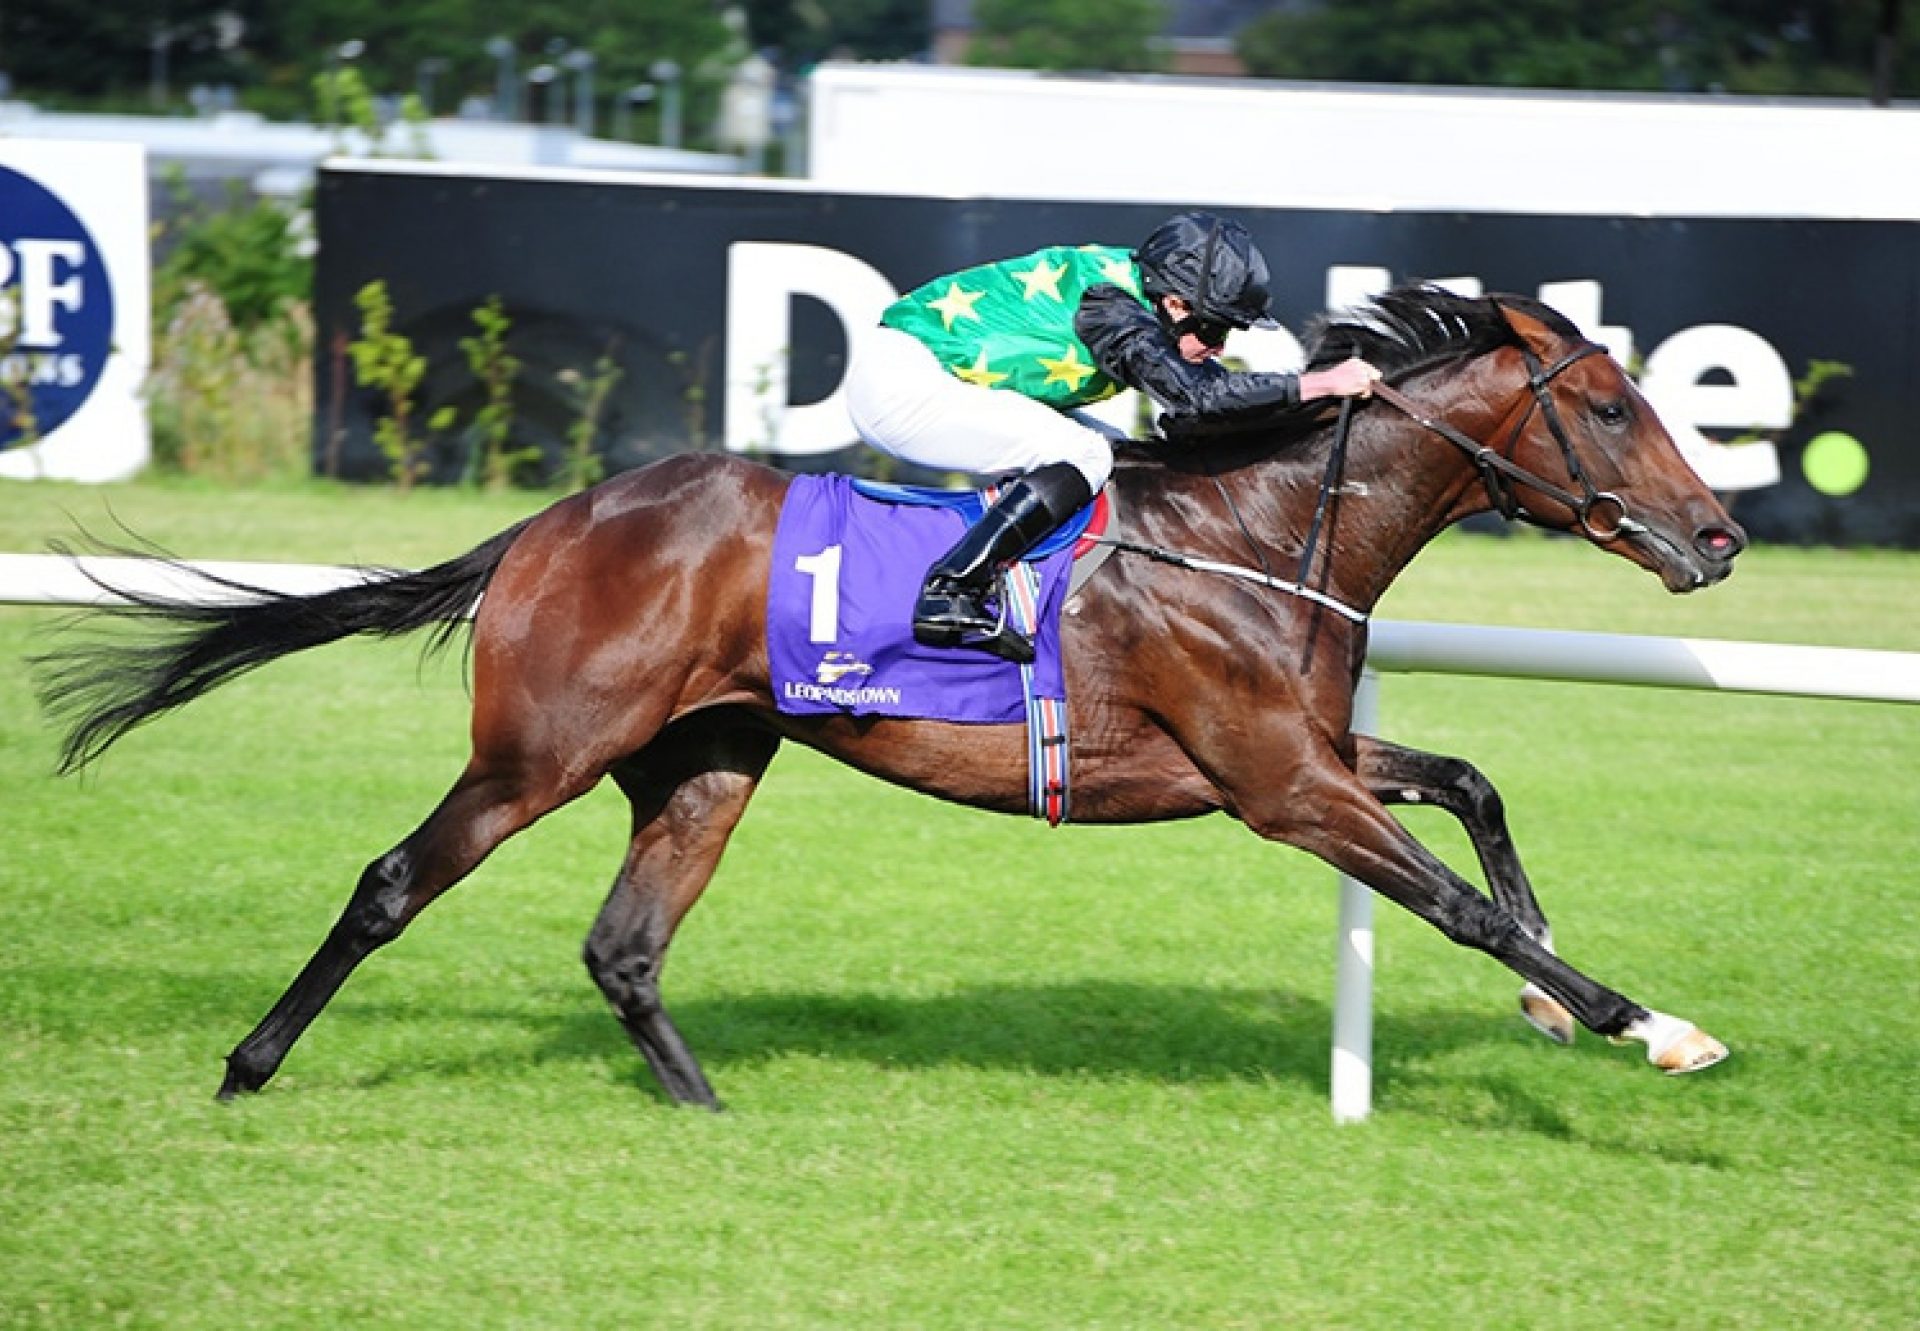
1001, 640
1005, 642
962, 623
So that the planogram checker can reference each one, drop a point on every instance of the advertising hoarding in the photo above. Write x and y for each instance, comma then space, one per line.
74, 310
729, 308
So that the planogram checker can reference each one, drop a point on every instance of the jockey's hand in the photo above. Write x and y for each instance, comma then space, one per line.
1350, 378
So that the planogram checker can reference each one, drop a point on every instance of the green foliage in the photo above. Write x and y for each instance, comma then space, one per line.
626, 38
1067, 34
385, 361
60, 50
16, 390
227, 402
693, 373
251, 253
230, 393
804, 31
583, 465
1819, 374
491, 463
344, 103
106, 49
1752, 46
101, 54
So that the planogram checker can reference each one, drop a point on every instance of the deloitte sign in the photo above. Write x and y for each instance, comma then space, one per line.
73, 310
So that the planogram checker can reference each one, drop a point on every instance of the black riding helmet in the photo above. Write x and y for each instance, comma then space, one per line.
1212, 264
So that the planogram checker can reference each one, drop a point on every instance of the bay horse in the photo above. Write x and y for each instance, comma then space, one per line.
622, 634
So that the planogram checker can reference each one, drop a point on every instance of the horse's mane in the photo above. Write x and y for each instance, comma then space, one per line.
1418, 326
1402, 332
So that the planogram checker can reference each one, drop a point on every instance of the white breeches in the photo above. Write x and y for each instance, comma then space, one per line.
904, 402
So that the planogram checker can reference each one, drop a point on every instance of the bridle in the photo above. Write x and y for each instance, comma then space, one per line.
1499, 474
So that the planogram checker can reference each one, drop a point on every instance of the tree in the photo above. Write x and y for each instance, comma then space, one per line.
1748, 46
626, 38
804, 32
95, 50
1068, 34
271, 49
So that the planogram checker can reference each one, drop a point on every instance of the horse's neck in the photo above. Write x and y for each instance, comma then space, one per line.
1399, 487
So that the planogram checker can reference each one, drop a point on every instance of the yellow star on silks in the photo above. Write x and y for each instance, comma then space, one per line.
1043, 279
958, 303
1119, 272
1069, 369
978, 373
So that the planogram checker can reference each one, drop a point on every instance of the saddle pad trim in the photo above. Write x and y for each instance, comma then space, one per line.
1047, 746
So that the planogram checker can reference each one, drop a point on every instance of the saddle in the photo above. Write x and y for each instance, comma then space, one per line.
848, 558
1081, 532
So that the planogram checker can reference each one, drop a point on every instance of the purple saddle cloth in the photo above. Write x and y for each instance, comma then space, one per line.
846, 572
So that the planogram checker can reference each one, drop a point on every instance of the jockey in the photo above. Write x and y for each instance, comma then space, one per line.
982, 371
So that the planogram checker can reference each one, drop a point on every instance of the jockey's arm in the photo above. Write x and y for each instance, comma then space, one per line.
1128, 343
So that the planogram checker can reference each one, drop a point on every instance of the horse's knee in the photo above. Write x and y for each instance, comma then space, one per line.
1472, 920
629, 978
381, 902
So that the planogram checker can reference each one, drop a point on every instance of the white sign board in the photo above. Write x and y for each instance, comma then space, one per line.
1020, 134
75, 291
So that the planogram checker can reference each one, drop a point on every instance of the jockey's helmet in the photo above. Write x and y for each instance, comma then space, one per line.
1212, 264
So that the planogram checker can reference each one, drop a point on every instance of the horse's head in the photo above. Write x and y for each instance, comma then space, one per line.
1587, 453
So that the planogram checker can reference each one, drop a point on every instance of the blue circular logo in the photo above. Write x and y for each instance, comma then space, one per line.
56, 311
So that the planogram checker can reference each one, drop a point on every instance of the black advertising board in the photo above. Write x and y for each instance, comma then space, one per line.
727, 308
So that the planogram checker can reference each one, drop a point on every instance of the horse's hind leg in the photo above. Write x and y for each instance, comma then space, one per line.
688, 790
483, 809
1399, 775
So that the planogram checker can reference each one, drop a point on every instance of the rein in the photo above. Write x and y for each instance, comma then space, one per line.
1499, 474
1198, 565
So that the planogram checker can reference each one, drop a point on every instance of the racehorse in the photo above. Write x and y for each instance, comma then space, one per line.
622, 633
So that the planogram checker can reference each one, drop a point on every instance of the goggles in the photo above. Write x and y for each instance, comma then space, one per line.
1211, 332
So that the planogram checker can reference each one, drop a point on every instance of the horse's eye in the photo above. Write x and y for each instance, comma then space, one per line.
1613, 415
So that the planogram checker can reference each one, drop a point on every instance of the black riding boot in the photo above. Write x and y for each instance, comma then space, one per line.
952, 610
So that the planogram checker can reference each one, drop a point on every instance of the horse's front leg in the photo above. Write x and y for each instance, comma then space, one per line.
1329, 811
1399, 775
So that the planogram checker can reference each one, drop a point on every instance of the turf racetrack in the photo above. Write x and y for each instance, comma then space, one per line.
980, 1074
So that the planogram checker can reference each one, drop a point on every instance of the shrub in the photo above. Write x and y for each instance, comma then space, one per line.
251, 254
230, 402
490, 462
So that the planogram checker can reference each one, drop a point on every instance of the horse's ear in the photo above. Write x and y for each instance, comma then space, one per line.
1532, 330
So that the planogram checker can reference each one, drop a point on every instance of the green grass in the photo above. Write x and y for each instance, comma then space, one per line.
980, 1074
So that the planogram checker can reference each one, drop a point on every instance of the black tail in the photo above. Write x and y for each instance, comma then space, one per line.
102, 688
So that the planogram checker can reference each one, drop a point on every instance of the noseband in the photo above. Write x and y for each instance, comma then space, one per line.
1602, 515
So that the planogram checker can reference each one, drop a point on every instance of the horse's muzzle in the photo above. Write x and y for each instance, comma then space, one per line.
1720, 543
1701, 561
1717, 546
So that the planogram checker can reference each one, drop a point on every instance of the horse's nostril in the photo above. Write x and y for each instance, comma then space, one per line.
1719, 542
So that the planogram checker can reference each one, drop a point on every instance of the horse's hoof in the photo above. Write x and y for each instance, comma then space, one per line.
238, 1081
1690, 1053
1544, 1013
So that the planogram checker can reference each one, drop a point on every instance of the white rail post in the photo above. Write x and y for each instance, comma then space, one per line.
1353, 972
